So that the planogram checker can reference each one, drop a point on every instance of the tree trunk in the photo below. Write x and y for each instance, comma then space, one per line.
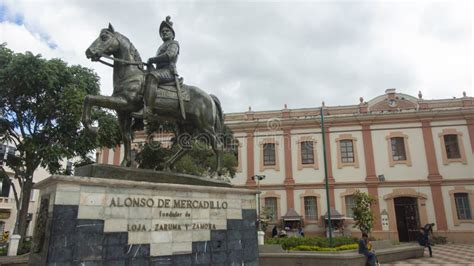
25, 202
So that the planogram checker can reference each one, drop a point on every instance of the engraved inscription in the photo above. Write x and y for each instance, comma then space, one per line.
168, 227
167, 203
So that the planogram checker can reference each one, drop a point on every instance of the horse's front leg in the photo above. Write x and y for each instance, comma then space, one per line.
114, 103
125, 124
86, 114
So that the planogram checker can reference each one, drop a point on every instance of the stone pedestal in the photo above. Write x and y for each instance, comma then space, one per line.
106, 221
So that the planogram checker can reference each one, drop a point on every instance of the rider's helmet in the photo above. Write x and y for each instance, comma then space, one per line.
167, 23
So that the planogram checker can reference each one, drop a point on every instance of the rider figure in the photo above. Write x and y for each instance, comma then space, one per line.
165, 61
167, 54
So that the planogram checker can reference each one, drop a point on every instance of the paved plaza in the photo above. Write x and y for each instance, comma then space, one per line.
449, 254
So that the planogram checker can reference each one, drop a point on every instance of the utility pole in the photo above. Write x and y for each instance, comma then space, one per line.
323, 132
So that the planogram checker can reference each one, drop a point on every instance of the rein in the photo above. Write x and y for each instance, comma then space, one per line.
140, 64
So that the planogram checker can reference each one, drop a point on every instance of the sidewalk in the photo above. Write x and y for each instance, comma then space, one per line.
449, 254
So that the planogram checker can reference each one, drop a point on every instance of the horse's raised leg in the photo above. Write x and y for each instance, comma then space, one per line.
86, 114
124, 118
125, 124
115, 103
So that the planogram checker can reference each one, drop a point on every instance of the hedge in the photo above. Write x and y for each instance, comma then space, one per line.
316, 248
321, 242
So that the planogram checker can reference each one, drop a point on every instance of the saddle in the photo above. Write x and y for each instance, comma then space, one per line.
168, 90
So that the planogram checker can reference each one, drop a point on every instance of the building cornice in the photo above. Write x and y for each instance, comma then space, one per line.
355, 119
362, 184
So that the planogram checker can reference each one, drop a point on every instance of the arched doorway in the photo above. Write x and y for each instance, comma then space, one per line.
407, 217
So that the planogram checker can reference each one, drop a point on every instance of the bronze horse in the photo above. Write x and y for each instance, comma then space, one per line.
131, 94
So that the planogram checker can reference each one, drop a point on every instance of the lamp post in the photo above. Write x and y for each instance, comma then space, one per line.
258, 178
323, 132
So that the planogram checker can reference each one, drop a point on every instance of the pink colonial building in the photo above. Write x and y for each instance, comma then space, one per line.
415, 156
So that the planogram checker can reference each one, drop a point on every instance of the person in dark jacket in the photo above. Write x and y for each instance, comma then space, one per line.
275, 231
300, 231
424, 240
364, 249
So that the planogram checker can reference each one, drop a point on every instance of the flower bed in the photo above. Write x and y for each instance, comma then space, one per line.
316, 248
314, 243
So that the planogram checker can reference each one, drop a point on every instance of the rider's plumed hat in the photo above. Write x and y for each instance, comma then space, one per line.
167, 23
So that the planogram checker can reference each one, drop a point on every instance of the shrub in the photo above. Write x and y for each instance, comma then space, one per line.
321, 242
324, 249
348, 247
305, 248
327, 249
3, 251
25, 248
344, 240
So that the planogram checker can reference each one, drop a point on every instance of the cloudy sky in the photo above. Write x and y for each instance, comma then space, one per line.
266, 54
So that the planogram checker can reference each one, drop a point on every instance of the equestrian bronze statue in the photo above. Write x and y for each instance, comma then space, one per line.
159, 92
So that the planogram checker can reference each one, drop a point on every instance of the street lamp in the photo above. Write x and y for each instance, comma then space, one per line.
381, 178
258, 178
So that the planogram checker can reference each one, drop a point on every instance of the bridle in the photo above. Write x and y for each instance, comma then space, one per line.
139, 64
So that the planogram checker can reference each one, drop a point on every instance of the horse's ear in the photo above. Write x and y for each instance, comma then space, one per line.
111, 28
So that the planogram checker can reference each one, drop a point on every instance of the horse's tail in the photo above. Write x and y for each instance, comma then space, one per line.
219, 125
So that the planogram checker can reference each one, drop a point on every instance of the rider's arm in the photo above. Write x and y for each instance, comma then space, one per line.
162, 58
168, 56
172, 51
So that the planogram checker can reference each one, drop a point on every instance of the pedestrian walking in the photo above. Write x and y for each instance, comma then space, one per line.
424, 239
274, 232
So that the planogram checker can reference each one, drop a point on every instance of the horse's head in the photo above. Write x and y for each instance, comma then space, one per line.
107, 43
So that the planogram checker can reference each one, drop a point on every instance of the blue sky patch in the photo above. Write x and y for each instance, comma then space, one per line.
19, 19
4, 16
2, 12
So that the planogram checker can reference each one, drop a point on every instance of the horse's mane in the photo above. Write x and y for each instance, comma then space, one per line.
133, 51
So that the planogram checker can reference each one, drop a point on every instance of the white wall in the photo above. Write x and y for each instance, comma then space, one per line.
241, 177
418, 168
454, 169
348, 173
272, 176
307, 175
449, 211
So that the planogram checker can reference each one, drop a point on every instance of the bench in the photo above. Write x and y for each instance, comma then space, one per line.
386, 252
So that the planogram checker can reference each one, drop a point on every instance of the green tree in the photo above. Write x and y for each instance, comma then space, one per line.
266, 215
200, 159
363, 216
41, 105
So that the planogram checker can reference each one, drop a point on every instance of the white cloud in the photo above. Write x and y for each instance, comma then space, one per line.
22, 40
